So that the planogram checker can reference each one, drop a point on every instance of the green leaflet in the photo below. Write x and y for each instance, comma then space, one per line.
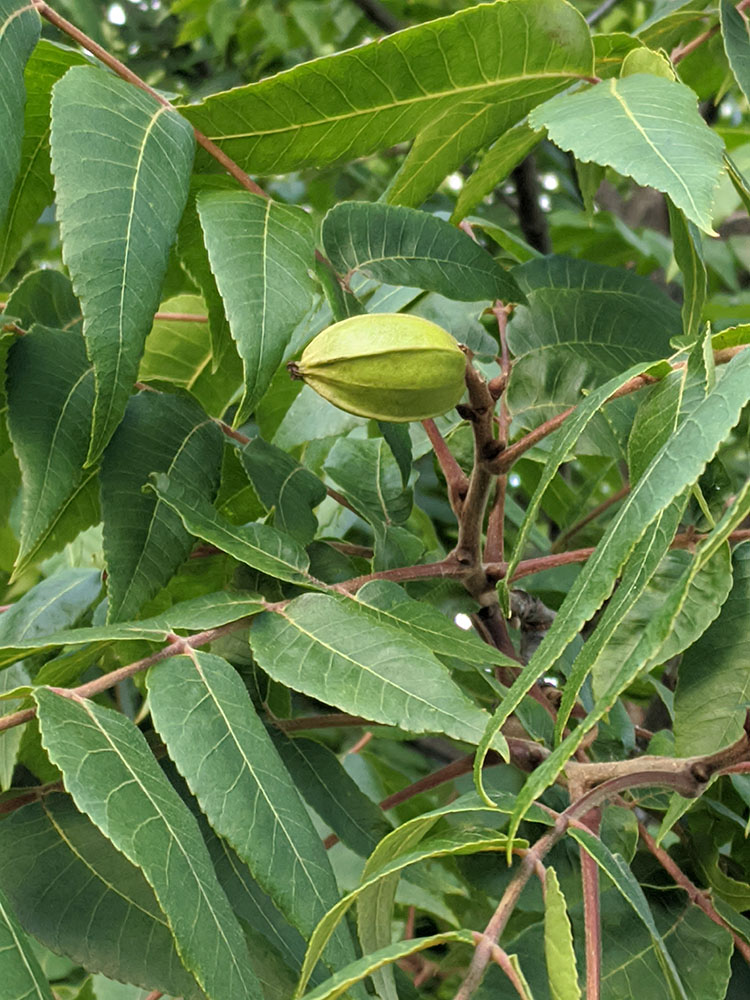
57, 869
261, 254
111, 774
391, 90
676, 466
203, 711
402, 246
33, 188
123, 201
316, 644
22, 977
734, 28
50, 401
646, 127
19, 32
558, 942
144, 539
688, 252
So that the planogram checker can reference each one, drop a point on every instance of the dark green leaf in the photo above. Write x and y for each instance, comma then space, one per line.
78, 895
53, 604
399, 441
370, 479
120, 203
402, 246
45, 297
736, 32
261, 254
495, 166
646, 127
283, 483
688, 252
112, 776
258, 545
50, 402
504, 59
19, 32
22, 977
144, 540
204, 713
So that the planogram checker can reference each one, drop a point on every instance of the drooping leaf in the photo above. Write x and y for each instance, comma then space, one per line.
399, 441
144, 540
370, 479
121, 202
45, 297
646, 127
179, 352
558, 942
22, 976
258, 545
261, 254
736, 34
504, 58
403, 246
33, 189
204, 713
286, 485
50, 403
713, 672
362, 667
326, 786
688, 251
19, 33
495, 166
112, 776
77, 895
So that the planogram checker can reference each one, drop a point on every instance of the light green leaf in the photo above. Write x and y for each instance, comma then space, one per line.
333, 651
645, 60
33, 188
383, 871
327, 787
121, 202
391, 605
283, 483
144, 540
258, 545
50, 402
675, 467
713, 687
688, 252
645, 127
15, 677
736, 33
261, 254
504, 58
58, 870
354, 973
204, 713
19, 33
558, 942
111, 774
179, 353
403, 246
494, 167
630, 889
22, 977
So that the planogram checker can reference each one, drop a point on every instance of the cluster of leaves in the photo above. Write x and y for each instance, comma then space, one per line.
235, 707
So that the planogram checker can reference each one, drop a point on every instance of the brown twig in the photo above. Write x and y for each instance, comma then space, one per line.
455, 478
181, 317
500, 957
682, 51
592, 515
379, 15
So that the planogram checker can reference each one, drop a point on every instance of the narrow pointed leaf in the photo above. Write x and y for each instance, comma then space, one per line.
736, 32
676, 466
33, 189
331, 650
19, 33
688, 252
78, 895
111, 774
20, 972
144, 540
120, 203
258, 545
558, 942
50, 402
402, 246
495, 166
204, 713
261, 254
504, 58
54, 603
646, 127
